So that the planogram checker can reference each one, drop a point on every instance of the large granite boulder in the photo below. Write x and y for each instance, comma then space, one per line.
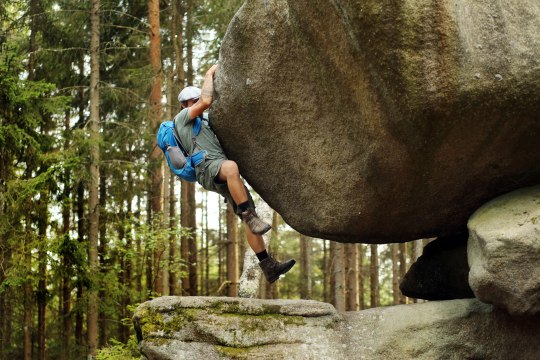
216, 328
381, 121
504, 252
219, 327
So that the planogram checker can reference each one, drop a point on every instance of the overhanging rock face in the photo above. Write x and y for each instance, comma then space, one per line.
381, 121
216, 328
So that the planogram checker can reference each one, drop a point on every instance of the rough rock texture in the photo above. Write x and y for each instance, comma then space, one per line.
441, 273
504, 251
216, 328
381, 121
212, 327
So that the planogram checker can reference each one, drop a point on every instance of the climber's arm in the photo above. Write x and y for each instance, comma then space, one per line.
206, 95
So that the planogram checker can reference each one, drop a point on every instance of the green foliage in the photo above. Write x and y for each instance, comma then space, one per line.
120, 351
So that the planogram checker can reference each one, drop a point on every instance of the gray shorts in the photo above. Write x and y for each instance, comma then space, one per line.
207, 173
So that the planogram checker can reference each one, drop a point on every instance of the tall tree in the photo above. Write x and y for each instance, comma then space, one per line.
395, 273
361, 276
93, 203
351, 257
155, 190
232, 252
188, 189
339, 273
374, 276
305, 267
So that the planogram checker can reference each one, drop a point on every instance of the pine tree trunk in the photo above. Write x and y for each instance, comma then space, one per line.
352, 276
184, 247
339, 273
192, 242
221, 272
206, 247
5, 260
374, 276
170, 211
305, 267
102, 255
138, 247
128, 263
122, 264
395, 274
192, 224
361, 276
79, 315
42, 260
232, 252
325, 271
65, 294
189, 40
93, 204
81, 223
164, 242
178, 16
156, 169
331, 271
28, 303
28, 296
202, 242
173, 279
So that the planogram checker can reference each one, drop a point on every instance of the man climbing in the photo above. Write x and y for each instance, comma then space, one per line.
217, 173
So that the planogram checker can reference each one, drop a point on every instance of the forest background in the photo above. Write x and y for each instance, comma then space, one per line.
91, 221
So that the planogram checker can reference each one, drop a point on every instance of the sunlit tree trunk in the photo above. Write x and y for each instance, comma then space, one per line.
374, 276
305, 267
93, 204
331, 272
361, 276
156, 169
220, 242
352, 276
339, 274
325, 271
232, 252
395, 274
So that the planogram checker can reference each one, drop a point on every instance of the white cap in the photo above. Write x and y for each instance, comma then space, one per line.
190, 92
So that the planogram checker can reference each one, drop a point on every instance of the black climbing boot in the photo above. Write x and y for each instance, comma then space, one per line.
272, 268
255, 224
